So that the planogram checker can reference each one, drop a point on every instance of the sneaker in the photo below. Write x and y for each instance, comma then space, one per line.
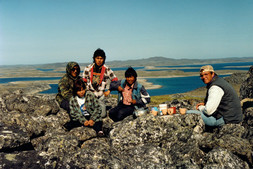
100, 134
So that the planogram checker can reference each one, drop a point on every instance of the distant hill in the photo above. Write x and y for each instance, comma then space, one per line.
152, 61
163, 61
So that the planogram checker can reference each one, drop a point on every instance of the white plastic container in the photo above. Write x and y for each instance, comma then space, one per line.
162, 107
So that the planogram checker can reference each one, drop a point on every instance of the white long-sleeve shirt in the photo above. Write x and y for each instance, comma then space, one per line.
215, 93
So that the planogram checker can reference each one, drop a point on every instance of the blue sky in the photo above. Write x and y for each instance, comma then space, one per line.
49, 31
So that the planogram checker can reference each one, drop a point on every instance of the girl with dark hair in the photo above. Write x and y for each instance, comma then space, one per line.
97, 76
131, 95
85, 108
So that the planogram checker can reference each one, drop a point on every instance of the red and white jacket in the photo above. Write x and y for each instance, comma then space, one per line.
107, 75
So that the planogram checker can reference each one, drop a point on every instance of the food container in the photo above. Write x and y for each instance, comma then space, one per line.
163, 107
154, 111
182, 111
172, 110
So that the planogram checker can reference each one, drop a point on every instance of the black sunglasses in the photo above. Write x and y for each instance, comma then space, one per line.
73, 69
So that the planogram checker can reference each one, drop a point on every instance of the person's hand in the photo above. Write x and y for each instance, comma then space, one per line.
107, 93
86, 123
91, 123
133, 101
199, 104
120, 89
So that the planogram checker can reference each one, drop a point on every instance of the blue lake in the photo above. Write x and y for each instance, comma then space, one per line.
175, 85
195, 68
169, 85
16, 79
217, 66
45, 70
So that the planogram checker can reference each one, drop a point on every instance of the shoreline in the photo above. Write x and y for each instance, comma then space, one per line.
148, 85
143, 80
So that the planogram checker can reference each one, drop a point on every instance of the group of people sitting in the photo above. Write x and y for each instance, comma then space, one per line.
84, 97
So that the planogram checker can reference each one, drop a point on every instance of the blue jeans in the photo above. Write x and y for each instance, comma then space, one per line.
208, 120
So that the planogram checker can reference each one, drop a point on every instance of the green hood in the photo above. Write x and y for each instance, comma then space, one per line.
70, 66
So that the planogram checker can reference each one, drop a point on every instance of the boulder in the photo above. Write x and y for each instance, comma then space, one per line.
24, 159
222, 158
12, 138
33, 127
236, 78
246, 90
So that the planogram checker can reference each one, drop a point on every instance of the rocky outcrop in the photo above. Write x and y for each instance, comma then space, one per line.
236, 78
32, 135
246, 90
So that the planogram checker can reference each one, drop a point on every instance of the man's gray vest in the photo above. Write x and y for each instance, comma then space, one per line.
229, 107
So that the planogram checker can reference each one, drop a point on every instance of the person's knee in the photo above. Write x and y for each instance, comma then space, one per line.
103, 113
65, 105
112, 114
120, 116
123, 114
116, 115
193, 112
210, 123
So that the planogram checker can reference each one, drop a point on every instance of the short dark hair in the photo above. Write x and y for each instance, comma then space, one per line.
130, 72
99, 52
78, 86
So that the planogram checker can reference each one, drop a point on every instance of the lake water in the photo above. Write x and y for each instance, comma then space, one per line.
195, 68
17, 79
175, 85
169, 85
217, 66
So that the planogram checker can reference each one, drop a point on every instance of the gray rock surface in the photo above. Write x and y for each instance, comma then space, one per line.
32, 127
236, 78
246, 90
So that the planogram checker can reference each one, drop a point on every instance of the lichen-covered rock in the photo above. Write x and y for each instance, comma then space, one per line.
83, 133
29, 103
33, 127
222, 158
248, 123
181, 104
246, 90
146, 156
248, 116
229, 138
24, 159
163, 141
97, 153
236, 78
12, 137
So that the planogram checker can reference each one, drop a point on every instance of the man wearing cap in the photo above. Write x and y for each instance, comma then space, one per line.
221, 105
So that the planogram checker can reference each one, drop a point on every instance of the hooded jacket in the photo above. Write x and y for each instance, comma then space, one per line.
66, 84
